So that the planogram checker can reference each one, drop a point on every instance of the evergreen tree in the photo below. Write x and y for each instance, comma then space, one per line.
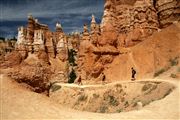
71, 54
72, 76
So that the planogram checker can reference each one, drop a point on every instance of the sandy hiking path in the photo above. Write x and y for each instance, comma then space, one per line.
19, 103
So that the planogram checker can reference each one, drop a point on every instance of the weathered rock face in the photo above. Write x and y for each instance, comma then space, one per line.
50, 49
168, 11
130, 18
86, 33
37, 76
13, 59
95, 32
96, 53
125, 23
108, 36
135, 20
33, 25
62, 49
39, 41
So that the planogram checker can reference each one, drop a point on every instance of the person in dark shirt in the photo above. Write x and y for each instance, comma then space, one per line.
133, 74
103, 78
79, 81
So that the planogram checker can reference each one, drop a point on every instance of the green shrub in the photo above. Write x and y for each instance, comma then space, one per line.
113, 101
82, 97
71, 57
103, 109
55, 87
119, 110
95, 95
126, 104
72, 76
118, 85
134, 104
174, 61
149, 88
146, 87
173, 75
159, 72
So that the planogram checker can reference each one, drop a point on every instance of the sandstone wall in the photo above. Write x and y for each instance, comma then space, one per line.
168, 11
135, 20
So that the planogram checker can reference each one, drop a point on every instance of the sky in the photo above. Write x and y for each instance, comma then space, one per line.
72, 14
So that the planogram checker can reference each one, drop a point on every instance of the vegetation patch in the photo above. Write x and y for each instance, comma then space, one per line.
103, 109
55, 87
126, 104
174, 61
146, 87
118, 85
173, 75
82, 98
72, 76
109, 100
159, 72
119, 110
72, 53
95, 95
113, 101
153, 88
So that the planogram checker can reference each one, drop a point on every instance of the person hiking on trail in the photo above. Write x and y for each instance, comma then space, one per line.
133, 73
103, 78
79, 81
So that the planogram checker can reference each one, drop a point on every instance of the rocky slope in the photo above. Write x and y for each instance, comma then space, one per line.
168, 11
138, 19
126, 28
149, 57
110, 98
20, 103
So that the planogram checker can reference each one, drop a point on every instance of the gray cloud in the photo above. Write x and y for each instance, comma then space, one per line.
49, 8
71, 13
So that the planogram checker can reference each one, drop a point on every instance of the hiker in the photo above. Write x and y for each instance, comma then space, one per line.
79, 81
103, 78
133, 74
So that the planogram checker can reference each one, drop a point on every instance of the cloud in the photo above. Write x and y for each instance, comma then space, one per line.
49, 8
71, 13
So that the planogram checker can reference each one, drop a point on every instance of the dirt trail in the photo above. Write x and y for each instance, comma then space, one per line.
18, 102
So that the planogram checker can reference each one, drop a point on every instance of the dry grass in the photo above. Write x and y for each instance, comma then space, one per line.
82, 97
95, 95
173, 75
157, 73
174, 61
103, 109
55, 88
113, 101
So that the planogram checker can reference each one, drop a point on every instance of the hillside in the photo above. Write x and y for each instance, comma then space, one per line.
17, 102
149, 56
